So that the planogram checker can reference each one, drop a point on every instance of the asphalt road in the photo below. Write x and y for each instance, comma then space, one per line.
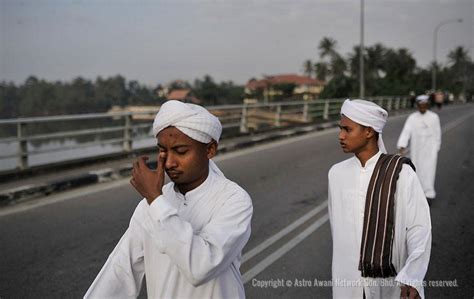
54, 247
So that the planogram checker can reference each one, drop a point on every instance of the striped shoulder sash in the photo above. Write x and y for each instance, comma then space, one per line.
378, 231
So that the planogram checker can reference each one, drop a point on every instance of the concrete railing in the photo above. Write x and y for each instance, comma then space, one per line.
235, 119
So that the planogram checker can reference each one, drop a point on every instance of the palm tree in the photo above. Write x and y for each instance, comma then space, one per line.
354, 62
459, 60
335, 63
327, 47
375, 60
308, 68
321, 69
338, 66
458, 56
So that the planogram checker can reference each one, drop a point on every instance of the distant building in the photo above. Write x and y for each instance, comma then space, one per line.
183, 95
276, 87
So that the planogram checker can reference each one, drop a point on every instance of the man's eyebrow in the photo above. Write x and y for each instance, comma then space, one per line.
180, 145
175, 146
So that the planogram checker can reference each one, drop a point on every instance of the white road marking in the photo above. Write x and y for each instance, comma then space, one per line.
258, 268
451, 125
288, 229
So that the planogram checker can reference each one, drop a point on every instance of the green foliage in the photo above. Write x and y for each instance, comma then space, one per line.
40, 98
308, 68
389, 71
339, 87
37, 97
212, 93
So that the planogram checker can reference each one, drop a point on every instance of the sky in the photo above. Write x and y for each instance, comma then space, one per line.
156, 42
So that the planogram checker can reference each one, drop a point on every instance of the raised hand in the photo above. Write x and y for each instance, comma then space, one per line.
148, 182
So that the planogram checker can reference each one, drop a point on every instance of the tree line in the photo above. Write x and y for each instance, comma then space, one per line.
387, 71
37, 97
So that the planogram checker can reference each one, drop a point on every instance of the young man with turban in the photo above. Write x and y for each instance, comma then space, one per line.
422, 130
187, 236
380, 220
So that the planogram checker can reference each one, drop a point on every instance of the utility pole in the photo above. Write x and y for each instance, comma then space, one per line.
361, 52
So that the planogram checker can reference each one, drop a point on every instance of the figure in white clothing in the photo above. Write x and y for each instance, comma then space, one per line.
380, 220
422, 131
186, 236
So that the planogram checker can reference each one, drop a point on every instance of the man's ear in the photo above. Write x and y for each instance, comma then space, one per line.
211, 149
370, 132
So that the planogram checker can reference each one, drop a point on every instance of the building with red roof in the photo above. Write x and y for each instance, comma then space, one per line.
273, 87
183, 95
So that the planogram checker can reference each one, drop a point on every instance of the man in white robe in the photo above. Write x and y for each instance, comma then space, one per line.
361, 127
422, 130
187, 236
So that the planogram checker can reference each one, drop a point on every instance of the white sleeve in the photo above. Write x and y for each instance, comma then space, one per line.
202, 256
405, 135
330, 204
437, 128
122, 274
418, 232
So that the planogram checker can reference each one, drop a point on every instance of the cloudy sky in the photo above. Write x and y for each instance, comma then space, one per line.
158, 41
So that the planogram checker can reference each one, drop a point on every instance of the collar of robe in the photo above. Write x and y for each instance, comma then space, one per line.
369, 163
197, 192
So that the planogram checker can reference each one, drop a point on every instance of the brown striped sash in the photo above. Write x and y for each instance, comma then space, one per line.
378, 231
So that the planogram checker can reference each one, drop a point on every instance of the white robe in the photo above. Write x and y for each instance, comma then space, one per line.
423, 131
189, 246
348, 183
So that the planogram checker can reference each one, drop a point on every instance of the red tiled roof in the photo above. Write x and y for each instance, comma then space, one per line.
178, 94
283, 79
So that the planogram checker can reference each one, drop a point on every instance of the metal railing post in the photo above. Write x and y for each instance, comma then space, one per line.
278, 116
326, 110
127, 133
397, 103
305, 112
389, 104
243, 120
22, 146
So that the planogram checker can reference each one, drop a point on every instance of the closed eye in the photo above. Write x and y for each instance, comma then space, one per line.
181, 149
181, 152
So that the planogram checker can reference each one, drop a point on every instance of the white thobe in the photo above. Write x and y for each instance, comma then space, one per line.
348, 183
189, 245
423, 132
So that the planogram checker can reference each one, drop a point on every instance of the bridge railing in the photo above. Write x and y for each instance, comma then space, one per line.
129, 127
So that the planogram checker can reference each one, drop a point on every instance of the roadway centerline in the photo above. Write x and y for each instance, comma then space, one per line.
270, 259
453, 124
282, 233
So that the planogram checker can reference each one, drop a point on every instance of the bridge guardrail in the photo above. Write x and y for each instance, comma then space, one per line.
236, 118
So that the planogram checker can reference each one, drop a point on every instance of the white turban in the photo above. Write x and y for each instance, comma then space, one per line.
422, 98
193, 120
367, 114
